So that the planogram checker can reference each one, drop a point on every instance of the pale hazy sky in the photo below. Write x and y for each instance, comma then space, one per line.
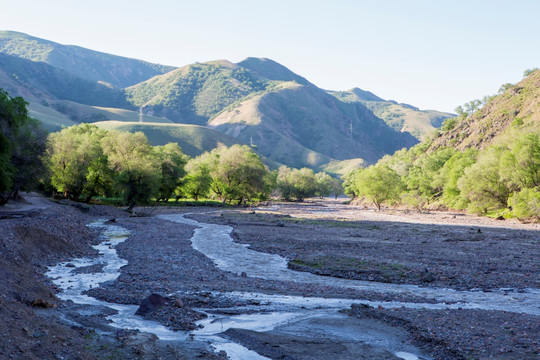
429, 53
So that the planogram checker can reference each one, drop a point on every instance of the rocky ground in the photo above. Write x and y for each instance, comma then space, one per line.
327, 238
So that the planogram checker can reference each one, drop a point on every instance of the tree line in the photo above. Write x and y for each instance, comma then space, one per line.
85, 161
82, 162
500, 180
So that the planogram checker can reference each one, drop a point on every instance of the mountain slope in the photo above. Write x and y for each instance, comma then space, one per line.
37, 80
194, 93
400, 117
301, 125
84, 63
193, 139
271, 70
517, 108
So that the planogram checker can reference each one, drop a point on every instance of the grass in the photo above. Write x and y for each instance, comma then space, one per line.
193, 139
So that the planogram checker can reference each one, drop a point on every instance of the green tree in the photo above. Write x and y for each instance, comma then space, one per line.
77, 162
325, 184
198, 180
136, 165
526, 204
450, 174
484, 184
22, 142
296, 183
238, 174
379, 184
172, 162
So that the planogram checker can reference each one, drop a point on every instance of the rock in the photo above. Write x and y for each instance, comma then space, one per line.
43, 303
280, 224
151, 303
179, 303
70, 265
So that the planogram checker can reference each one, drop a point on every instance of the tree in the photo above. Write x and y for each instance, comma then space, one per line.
451, 172
484, 184
198, 180
77, 162
526, 204
238, 174
296, 183
529, 72
172, 161
136, 164
379, 184
324, 183
349, 186
22, 142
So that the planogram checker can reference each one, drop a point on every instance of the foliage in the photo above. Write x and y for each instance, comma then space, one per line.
74, 158
526, 204
172, 162
133, 160
22, 142
198, 180
379, 184
238, 174
303, 183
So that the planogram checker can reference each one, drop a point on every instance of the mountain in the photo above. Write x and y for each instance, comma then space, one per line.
301, 125
84, 63
195, 93
271, 70
290, 120
400, 117
41, 81
256, 101
515, 110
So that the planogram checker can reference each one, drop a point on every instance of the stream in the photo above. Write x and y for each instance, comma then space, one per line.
278, 314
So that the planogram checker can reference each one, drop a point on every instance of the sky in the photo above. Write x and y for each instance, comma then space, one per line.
428, 53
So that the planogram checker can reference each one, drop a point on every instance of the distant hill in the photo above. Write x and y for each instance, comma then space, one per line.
257, 101
271, 70
301, 125
517, 109
195, 93
193, 139
36, 80
84, 63
401, 117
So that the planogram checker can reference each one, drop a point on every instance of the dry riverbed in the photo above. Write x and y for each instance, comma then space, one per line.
323, 237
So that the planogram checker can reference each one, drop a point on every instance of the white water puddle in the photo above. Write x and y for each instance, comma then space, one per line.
215, 242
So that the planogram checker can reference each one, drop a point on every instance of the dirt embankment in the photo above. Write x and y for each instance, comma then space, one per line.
31, 241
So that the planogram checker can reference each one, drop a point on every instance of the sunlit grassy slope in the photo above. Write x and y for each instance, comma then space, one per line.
193, 139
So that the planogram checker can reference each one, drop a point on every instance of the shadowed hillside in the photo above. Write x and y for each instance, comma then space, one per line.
400, 117
84, 63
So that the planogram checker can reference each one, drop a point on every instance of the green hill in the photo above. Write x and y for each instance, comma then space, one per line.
195, 93
271, 70
516, 109
36, 80
84, 63
400, 117
301, 125
193, 139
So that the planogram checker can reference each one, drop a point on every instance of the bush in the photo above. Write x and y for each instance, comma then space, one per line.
526, 204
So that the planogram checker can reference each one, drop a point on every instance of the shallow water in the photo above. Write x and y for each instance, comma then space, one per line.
283, 314
215, 242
